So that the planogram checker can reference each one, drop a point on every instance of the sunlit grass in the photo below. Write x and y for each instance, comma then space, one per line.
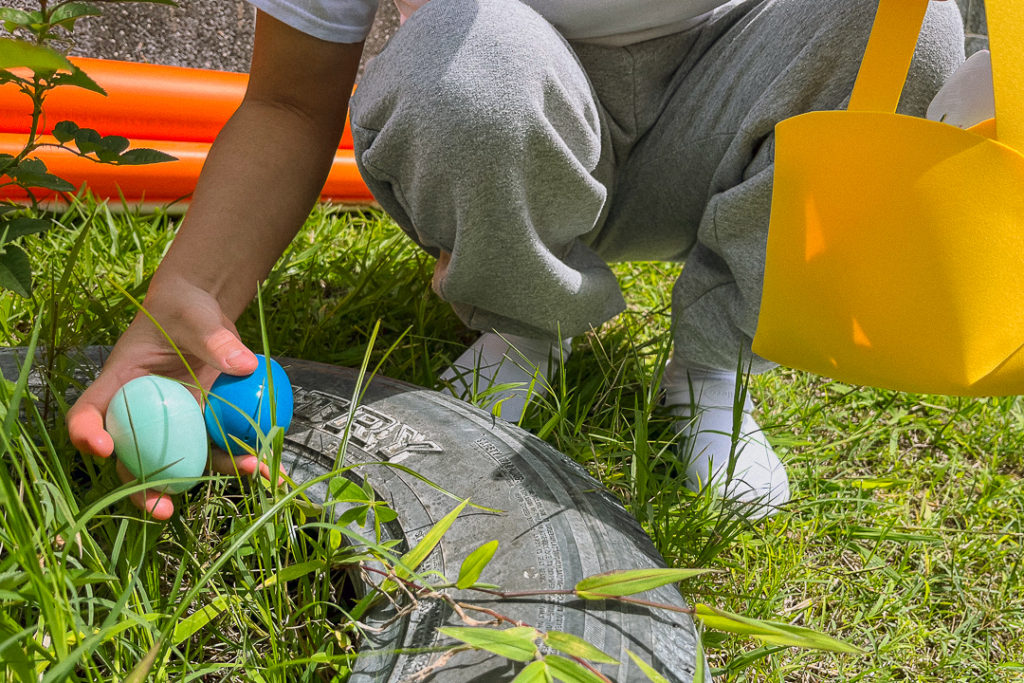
904, 536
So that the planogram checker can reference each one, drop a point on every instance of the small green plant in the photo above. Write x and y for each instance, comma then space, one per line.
33, 60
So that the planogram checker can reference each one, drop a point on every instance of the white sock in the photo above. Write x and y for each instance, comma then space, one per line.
706, 429
509, 370
967, 97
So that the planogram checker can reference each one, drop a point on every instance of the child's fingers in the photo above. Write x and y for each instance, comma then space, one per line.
85, 427
243, 465
157, 504
85, 418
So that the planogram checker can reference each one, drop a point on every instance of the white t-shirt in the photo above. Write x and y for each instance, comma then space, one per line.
614, 22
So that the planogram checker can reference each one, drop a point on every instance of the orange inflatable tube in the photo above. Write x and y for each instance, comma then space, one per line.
174, 109
172, 182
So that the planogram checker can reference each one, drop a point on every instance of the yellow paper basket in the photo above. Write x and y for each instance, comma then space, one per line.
896, 246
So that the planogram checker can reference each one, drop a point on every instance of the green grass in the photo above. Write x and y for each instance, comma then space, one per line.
904, 537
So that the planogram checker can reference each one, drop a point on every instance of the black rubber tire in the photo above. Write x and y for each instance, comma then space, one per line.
559, 524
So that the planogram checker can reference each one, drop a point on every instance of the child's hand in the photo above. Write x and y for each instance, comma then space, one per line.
210, 345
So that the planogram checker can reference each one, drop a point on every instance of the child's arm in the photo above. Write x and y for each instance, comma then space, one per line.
263, 174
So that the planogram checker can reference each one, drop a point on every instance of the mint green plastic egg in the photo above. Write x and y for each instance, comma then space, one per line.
158, 431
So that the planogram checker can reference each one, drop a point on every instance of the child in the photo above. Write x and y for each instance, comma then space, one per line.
526, 145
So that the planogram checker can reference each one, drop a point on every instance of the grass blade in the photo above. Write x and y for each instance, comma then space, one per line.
772, 632
630, 582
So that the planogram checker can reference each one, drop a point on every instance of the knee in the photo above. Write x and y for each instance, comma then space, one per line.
451, 57
474, 70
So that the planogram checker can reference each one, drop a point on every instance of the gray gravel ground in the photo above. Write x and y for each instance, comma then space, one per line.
213, 34
217, 34
208, 34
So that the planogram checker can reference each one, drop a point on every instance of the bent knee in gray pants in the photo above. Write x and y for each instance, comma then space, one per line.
534, 161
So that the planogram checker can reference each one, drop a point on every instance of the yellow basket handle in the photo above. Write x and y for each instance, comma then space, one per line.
1006, 40
890, 49
886, 63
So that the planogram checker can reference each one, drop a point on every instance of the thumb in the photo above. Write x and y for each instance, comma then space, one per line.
222, 349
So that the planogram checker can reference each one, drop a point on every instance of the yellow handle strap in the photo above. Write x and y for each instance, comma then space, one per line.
1006, 40
891, 48
883, 72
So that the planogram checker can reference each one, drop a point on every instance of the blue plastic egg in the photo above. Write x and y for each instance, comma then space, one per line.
158, 432
237, 406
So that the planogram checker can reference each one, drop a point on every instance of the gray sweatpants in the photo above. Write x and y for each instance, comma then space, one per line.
535, 161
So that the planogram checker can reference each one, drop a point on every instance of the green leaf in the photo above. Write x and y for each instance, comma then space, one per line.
536, 672
15, 271
474, 564
112, 146
12, 653
87, 140
344, 490
15, 17
144, 155
570, 671
65, 131
699, 672
517, 643
73, 11
52, 182
648, 670
33, 173
890, 534
18, 53
574, 646
47, 181
872, 483
356, 514
292, 572
31, 166
140, 672
19, 227
771, 632
200, 618
108, 634
80, 79
384, 513
632, 581
414, 558
171, 3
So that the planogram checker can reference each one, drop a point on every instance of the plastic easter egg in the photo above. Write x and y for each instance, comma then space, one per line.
158, 431
238, 405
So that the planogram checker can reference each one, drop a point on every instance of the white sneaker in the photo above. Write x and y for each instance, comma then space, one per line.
721, 449
505, 371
